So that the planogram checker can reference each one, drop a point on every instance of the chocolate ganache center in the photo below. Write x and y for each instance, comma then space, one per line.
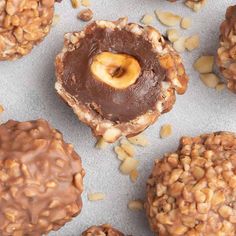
119, 105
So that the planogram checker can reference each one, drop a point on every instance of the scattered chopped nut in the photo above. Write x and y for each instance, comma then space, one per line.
192, 42
195, 5
135, 205
173, 35
85, 15
147, 19
1, 109
220, 86
166, 131
210, 80
204, 64
128, 165
168, 18
134, 175
86, 3
101, 144
96, 196
56, 19
179, 45
75, 3
140, 140
186, 23
121, 154
128, 148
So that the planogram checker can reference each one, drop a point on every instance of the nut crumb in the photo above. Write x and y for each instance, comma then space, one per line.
1, 109
85, 15
96, 196
128, 165
75, 3
166, 131
128, 148
121, 154
192, 42
140, 140
220, 86
168, 18
210, 80
135, 205
179, 45
147, 19
101, 144
204, 64
134, 175
86, 3
186, 23
173, 35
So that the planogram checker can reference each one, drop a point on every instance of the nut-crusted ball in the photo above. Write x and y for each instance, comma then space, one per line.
41, 179
191, 192
226, 59
23, 24
102, 230
119, 77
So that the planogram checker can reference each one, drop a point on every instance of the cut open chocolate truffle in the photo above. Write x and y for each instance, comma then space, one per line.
23, 24
191, 192
102, 230
118, 77
41, 179
226, 58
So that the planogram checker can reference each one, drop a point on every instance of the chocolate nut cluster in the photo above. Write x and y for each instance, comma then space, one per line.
23, 24
192, 191
227, 51
118, 88
41, 179
102, 230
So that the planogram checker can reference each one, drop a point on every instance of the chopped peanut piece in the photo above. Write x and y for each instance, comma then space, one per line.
172, 35
75, 3
85, 3
166, 131
134, 175
179, 45
128, 165
128, 148
135, 205
186, 23
204, 64
96, 196
220, 86
210, 80
147, 19
192, 42
140, 140
168, 18
85, 15
101, 144
121, 154
1, 109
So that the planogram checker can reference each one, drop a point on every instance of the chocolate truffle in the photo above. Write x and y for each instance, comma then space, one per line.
226, 59
23, 24
41, 179
102, 230
191, 192
118, 77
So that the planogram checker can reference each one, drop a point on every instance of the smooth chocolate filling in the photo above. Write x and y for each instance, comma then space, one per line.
119, 105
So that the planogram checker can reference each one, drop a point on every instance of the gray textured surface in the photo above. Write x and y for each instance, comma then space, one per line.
27, 92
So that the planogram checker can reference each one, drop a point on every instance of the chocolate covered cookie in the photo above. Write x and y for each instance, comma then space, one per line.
41, 179
23, 24
226, 58
118, 77
102, 230
192, 191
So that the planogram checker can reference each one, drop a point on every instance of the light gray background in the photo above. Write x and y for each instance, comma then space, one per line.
27, 92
